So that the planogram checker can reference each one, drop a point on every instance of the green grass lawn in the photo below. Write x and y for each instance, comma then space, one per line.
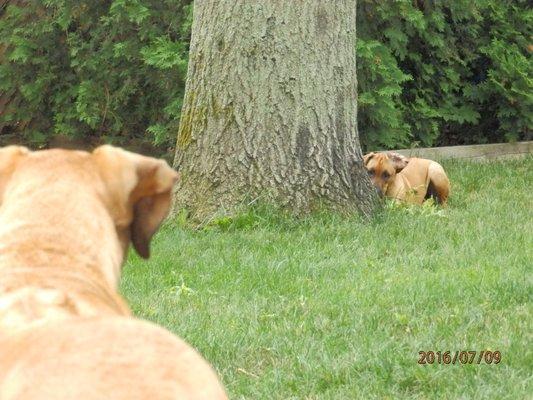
330, 307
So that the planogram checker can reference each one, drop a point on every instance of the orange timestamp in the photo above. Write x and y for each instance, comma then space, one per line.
459, 357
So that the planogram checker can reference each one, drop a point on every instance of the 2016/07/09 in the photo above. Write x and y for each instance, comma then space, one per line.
463, 357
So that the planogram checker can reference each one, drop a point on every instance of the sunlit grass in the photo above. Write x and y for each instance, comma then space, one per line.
329, 307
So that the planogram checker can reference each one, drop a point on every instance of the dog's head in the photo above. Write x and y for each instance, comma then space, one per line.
10, 156
382, 167
135, 190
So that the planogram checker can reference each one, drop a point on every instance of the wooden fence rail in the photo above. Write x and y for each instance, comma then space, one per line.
474, 152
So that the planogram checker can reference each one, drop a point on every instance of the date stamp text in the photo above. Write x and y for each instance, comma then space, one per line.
460, 357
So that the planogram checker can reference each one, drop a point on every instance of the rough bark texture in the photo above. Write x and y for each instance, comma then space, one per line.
270, 108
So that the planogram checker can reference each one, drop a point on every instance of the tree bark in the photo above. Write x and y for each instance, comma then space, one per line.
270, 110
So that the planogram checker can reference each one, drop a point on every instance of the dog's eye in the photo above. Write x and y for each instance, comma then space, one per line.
385, 175
371, 172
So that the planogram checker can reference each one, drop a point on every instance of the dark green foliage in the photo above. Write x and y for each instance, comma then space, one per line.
429, 72
381, 116
444, 72
101, 70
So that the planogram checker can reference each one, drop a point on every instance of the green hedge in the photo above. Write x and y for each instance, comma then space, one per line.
444, 72
101, 70
429, 72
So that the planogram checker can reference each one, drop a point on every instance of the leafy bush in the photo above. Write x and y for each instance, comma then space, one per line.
101, 70
381, 117
444, 72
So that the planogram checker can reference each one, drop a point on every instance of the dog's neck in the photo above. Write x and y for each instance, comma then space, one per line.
52, 228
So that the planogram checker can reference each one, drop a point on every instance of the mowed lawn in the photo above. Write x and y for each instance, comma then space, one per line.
329, 307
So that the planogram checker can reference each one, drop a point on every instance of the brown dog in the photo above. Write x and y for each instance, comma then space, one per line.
407, 179
66, 220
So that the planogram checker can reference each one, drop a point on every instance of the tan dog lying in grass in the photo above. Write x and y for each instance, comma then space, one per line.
412, 180
66, 220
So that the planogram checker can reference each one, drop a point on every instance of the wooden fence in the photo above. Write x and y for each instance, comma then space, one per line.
474, 152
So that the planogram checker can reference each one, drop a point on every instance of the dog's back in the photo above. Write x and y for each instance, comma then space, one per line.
420, 180
407, 179
103, 358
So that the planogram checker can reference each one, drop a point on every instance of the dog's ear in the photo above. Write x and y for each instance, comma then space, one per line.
142, 190
398, 161
9, 158
368, 157
151, 201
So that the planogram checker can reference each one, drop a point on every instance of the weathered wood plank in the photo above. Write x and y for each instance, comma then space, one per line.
472, 152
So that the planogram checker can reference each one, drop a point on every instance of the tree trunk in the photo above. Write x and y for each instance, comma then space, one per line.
270, 109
